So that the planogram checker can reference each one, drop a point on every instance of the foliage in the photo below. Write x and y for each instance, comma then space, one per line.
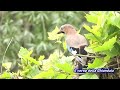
29, 29
41, 50
52, 68
103, 37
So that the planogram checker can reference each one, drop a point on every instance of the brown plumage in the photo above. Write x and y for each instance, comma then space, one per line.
75, 43
73, 39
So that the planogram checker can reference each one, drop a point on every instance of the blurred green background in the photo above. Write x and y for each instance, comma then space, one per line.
29, 29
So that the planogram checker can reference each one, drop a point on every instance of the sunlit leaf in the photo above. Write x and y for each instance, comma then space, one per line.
61, 76
92, 18
65, 67
7, 65
34, 71
90, 50
114, 20
69, 77
91, 37
45, 74
107, 45
6, 75
53, 35
64, 46
32, 60
22, 52
98, 63
41, 57
89, 76
87, 28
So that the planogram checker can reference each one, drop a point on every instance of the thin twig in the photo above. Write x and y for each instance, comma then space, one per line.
118, 62
6, 51
86, 55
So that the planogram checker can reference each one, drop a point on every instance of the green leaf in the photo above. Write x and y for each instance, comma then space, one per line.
41, 57
98, 63
107, 58
115, 50
6, 75
25, 72
45, 74
7, 65
108, 45
70, 77
115, 19
90, 50
87, 28
65, 64
53, 35
22, 52
32, 60
33, 71
61, 76
91, 37
92, 18
64, 46
95, 30
89, 76
66, 67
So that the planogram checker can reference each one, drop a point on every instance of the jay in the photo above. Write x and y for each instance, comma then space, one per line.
75, 43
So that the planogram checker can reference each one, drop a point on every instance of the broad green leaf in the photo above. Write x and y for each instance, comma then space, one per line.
6, 75
87, 28
107, 58
108, 45
41, 57
22, 52
89, 76
67, 59
53, 58
32, 60
65, 64
33, 71
53, 35
45, 74
92, 18
98, 63
61, 76
7, 65
94, 30
114, 52
66, 67
101, 20
24, 72
90, 36
70, 77
64, 46
90, 50
115, 20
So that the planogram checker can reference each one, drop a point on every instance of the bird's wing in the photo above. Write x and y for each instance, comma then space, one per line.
76, 41
76, 45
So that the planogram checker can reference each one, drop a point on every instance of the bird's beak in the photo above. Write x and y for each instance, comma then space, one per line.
60, 32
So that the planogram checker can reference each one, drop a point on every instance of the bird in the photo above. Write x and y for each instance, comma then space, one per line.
76, 43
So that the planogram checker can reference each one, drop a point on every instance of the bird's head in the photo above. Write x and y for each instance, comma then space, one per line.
67, 29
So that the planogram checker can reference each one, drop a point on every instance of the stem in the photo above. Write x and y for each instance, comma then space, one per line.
5, 52
44, 29
86, 55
